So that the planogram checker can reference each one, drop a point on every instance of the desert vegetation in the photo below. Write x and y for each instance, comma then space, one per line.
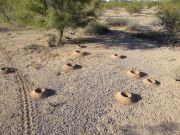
49, 14
62, 15
135, 7
97, 28
167, 12
169, 15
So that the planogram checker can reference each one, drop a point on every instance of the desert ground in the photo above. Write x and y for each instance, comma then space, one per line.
82, 101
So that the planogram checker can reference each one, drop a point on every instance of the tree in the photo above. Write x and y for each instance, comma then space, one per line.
58, 14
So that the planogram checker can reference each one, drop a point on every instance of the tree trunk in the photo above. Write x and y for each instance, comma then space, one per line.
60, 38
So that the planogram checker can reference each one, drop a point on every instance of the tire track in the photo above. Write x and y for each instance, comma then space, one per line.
26, 104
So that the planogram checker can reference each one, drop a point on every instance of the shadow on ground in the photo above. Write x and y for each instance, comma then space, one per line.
116, 38
161, 129
3, 29
49, 93
137, 97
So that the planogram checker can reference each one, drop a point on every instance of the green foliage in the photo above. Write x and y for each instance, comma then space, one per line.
117, 22
97, 28
169, 15
6, 9
58, 14
110, 5
151, 4
134, 7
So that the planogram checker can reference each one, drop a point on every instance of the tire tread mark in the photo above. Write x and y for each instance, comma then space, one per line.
26, 105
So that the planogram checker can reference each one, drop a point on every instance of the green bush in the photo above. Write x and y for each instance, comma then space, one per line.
151, 4
97, 28
169, 15
57, 14
117, 22
110, 5
134, 7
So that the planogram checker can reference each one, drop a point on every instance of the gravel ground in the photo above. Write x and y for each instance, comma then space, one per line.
83, 102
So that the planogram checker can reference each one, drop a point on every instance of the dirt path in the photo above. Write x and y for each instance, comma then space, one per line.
84, 102
25, 103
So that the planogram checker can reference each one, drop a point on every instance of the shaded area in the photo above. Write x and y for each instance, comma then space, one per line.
4, 29
82, 46
76, 66
8, 70
86, 53
123, 56
136, 97
49, 93
143, 74
163, 128
157, 82
117, 38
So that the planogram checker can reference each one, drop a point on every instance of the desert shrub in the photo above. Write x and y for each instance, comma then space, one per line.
113, 4
97, 28
151, 4
117, 21
169, 15
134, 7
57, 14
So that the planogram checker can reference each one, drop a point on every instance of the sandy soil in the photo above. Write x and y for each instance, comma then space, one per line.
82, 101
